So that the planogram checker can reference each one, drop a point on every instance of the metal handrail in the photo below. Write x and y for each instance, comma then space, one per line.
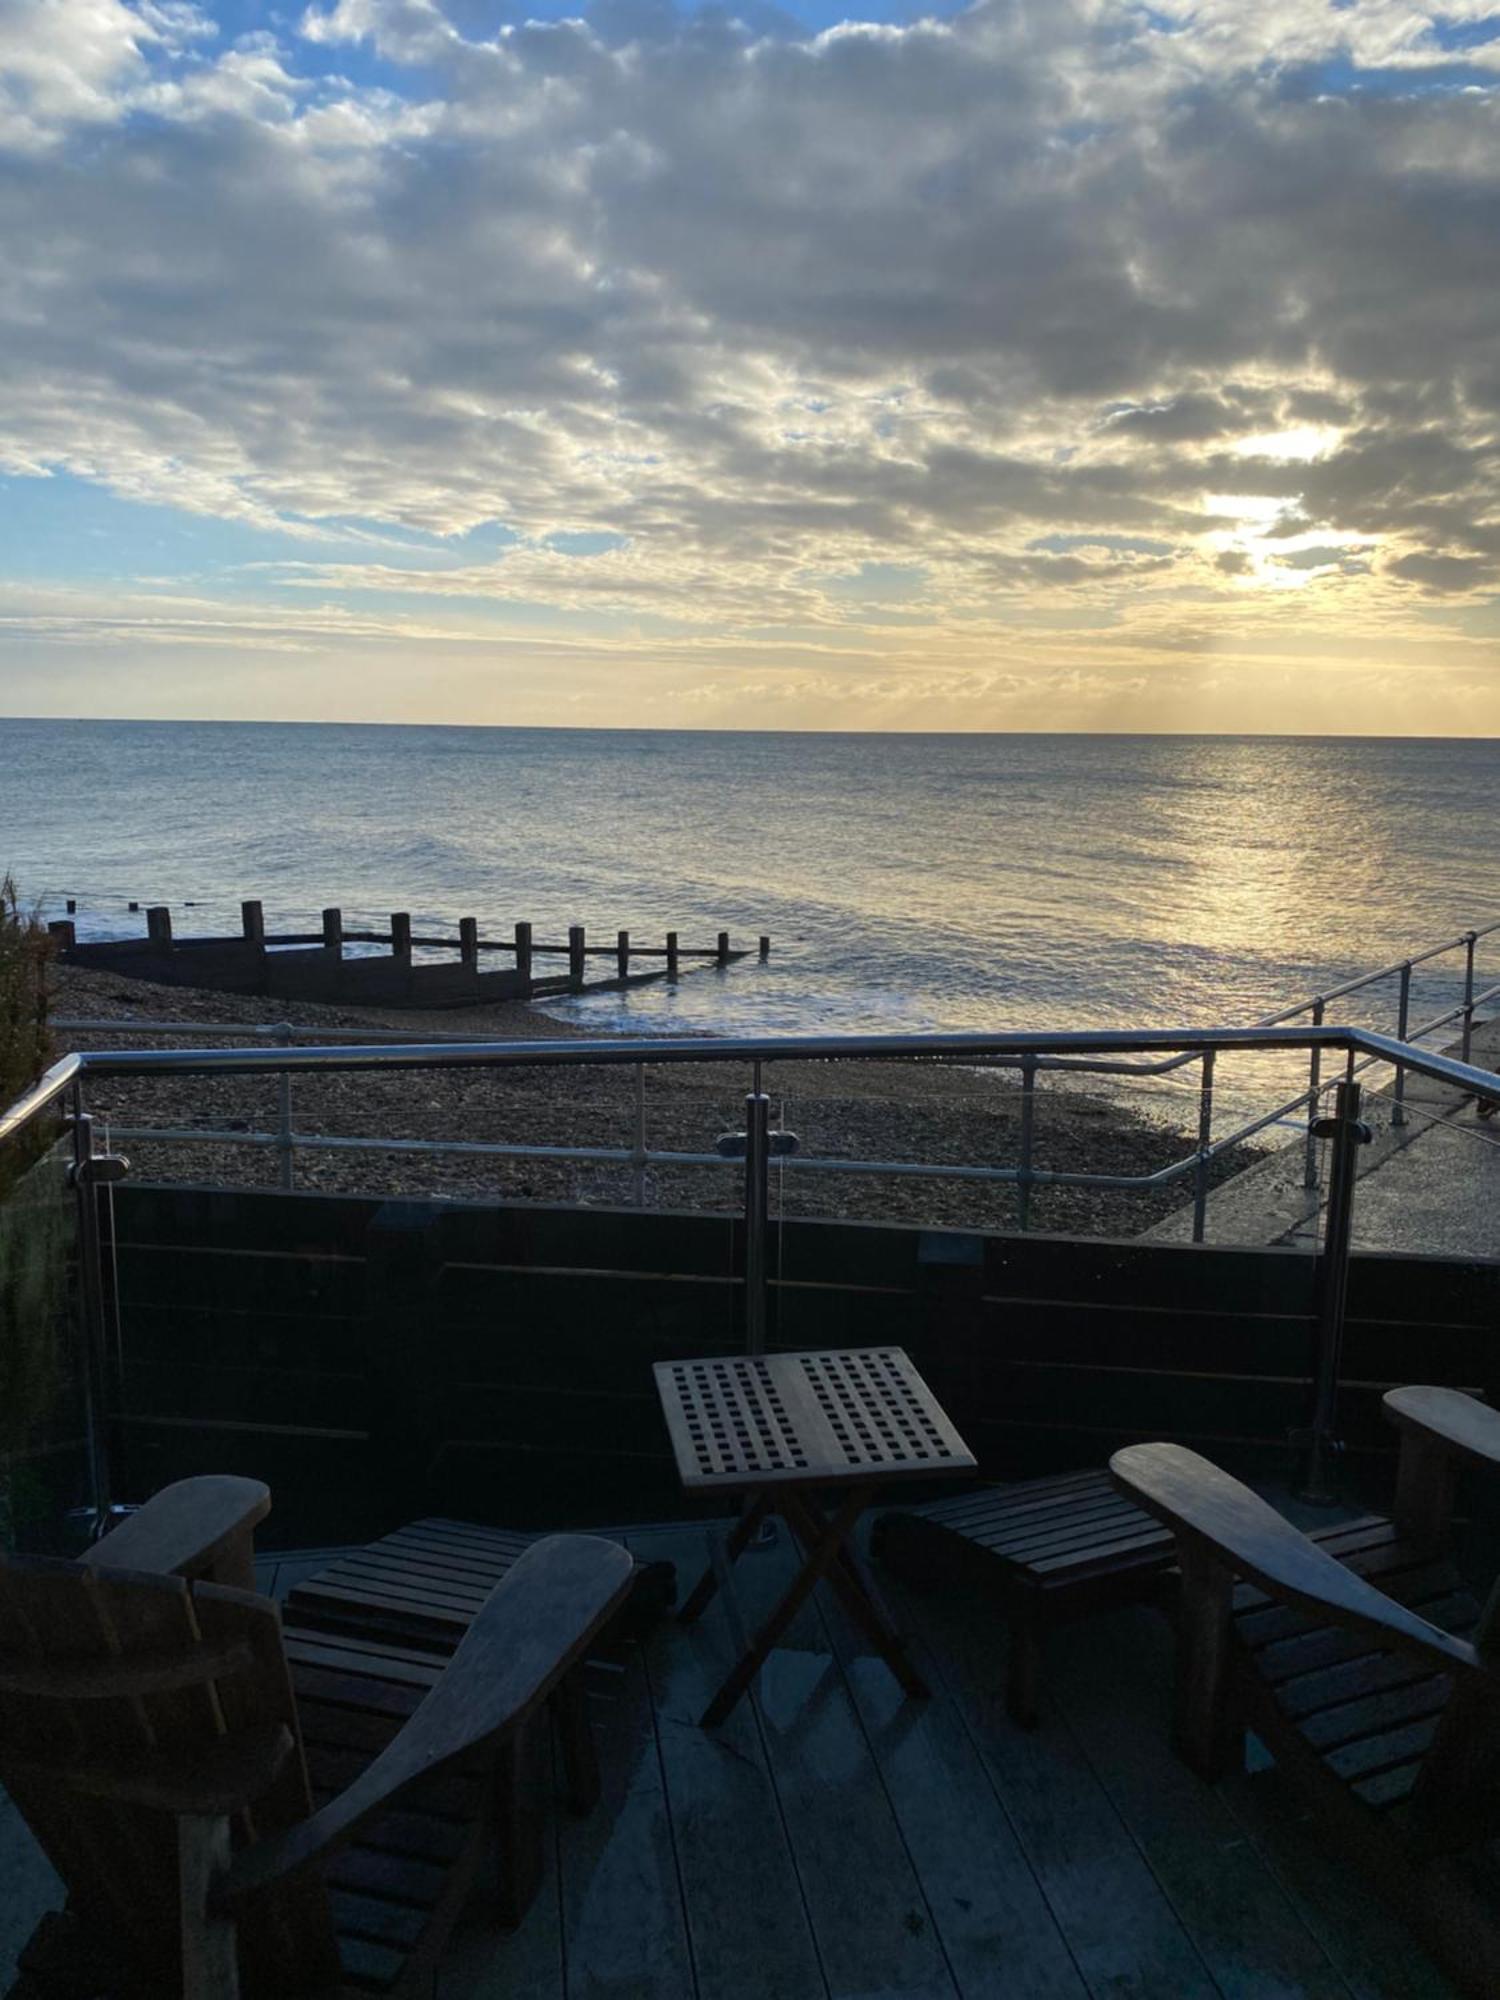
1017, 1048
581, 1052
49, 1087
1363, 979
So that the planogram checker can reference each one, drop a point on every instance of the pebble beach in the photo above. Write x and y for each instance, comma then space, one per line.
888, 1111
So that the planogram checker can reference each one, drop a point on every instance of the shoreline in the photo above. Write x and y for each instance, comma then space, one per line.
860, 1109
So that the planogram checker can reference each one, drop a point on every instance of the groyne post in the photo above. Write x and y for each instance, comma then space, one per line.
401, 934
576, 959
672, 955
723, 948
622, 954
63, 934
253, 924
523, 953
468, 943
765, 949
333, 932
159, 927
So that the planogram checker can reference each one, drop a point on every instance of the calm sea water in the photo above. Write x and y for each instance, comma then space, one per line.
907, 881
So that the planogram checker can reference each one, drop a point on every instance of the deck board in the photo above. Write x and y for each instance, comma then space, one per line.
1123, 1932
746, 1918
623, 1925
1376, 1955
986, 1903
870, 1914
1247, 1932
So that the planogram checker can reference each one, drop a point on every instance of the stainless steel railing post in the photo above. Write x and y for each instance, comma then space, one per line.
1205, 1145
90, 1170
757, 1204
1403, 1018
1028, 1134
1348, 1134
285, 1147
639, 1148
1314, 1088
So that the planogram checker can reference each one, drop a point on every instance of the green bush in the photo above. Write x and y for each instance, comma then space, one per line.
25, 1045
37, 1219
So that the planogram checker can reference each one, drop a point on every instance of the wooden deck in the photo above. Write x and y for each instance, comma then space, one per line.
833, 1840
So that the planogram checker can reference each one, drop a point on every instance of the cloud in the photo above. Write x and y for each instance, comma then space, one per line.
738, 311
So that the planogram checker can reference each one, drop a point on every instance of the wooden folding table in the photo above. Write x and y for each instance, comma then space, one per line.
776, 1427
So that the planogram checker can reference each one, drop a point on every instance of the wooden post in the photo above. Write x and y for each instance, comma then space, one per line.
468, 943
1424, 1490
765, 949
63, 934
333, 931
671, 955
72, 906
1205, 1723
523, 952
575, 958
622, 954
159, 926
401, 934
253, 924
723, 947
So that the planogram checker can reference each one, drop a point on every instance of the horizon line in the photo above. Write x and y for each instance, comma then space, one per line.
678, 729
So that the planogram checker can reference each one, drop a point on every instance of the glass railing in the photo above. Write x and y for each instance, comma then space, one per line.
47, 1469
615, 1204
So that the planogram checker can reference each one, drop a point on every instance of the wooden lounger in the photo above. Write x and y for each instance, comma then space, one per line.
1361, 1661
231, 1810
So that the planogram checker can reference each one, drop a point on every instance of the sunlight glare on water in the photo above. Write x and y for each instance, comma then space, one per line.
907, 882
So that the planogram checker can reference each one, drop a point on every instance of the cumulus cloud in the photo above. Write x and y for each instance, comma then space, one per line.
756, 308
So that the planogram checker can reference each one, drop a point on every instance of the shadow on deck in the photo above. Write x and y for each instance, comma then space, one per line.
832, 1839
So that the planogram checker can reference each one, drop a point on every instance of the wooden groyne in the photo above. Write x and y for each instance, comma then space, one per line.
315, 965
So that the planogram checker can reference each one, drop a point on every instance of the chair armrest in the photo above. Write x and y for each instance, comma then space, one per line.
1441, 1429
197, 1528
536, 1624
1459, 1422
1212, 1513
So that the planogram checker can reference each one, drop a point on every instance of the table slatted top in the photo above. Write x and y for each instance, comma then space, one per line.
806, 1419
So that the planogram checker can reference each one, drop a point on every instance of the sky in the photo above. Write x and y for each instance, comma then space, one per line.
1036, 364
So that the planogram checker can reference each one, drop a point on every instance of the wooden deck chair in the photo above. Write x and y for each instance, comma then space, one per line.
151, 1736
1370, 1674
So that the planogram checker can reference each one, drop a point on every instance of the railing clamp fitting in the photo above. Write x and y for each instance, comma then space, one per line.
731, 1145
98, 1170
1304, 1435
1329, 1128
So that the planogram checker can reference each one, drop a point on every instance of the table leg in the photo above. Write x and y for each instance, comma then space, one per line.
815, 1565
856, 1591
751, 1515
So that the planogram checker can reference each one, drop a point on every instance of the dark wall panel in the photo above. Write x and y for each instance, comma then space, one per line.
376, 1360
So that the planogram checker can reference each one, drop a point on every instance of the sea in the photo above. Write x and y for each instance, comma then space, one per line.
906, 882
